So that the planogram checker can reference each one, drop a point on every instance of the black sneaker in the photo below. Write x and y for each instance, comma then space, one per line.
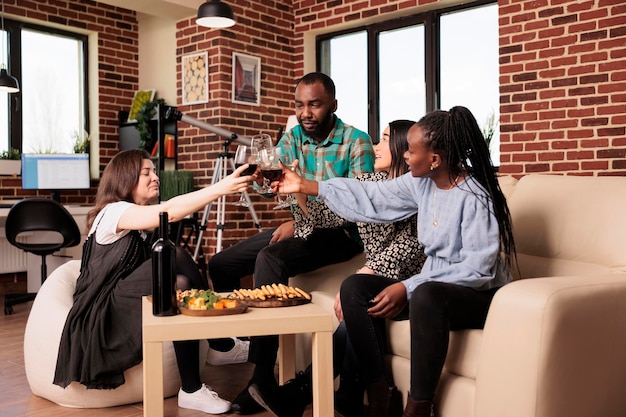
288, 400
244, 404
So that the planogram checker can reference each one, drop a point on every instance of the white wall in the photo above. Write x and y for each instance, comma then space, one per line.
157, 56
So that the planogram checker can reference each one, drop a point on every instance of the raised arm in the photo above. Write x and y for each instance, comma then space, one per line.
146, 217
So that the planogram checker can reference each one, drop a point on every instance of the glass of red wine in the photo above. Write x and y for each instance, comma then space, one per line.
282, 155
272, 172
245, 155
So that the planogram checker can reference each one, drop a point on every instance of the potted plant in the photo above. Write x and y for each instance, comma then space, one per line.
81, 142
144, 116
10, 162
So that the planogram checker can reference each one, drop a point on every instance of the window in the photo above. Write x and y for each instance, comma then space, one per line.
51, 107
403, 68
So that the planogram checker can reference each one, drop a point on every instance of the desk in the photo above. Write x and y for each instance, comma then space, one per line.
284, 321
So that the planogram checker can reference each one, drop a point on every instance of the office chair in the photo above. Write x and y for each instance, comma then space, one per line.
40, 226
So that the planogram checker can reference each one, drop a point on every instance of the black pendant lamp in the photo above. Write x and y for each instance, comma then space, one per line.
215, 14
8, 84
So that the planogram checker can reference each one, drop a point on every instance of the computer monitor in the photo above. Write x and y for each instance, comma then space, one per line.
55, 172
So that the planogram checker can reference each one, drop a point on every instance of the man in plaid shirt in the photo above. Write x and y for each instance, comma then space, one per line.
325, 147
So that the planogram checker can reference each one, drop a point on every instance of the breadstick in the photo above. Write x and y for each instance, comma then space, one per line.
283, 290
292, 292
304, 294
259, 294
265, 290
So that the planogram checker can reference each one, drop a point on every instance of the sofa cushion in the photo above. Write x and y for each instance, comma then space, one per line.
569, 225
463, 349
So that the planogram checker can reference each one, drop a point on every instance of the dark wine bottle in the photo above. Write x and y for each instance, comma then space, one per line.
163, 272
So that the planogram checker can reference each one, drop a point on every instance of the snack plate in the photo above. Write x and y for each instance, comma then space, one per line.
241, 308
276, 303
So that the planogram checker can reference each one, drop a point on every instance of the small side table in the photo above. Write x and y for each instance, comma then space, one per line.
283, 321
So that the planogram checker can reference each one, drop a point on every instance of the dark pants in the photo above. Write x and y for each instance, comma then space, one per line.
276, 263
434, 310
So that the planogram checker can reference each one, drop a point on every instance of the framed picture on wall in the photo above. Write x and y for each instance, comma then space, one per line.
141, 98
246, 79
195, 73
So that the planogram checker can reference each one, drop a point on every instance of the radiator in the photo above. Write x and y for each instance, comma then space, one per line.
12, 259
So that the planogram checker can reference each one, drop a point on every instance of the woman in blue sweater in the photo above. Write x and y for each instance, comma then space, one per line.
465, 227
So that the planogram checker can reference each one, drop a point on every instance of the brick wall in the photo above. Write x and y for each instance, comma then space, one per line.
264, 30
562, 83
117, 70
563, 80
563, 87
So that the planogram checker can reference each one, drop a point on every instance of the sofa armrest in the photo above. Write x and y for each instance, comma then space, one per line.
555, 347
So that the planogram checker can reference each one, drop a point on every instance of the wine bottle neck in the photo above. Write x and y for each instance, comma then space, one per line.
163, 225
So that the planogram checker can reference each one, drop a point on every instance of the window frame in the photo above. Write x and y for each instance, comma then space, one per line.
430, 20
14, 42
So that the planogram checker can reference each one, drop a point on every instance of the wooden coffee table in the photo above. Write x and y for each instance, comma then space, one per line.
283, 321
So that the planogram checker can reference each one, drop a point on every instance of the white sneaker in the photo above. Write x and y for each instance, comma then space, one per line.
203, 400
238, 354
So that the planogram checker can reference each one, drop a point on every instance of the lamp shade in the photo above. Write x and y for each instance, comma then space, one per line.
215, 14
8, 84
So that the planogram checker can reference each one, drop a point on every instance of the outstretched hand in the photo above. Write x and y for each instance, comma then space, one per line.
234, 183
389, 302
290, 182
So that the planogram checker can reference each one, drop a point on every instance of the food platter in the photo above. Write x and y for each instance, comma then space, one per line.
241, 308
275, 295
276, 302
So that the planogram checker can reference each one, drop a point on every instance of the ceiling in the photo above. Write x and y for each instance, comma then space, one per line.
172, 9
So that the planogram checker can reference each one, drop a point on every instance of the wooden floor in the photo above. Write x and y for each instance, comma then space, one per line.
16, 399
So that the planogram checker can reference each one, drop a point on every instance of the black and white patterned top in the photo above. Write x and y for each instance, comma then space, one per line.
392, 249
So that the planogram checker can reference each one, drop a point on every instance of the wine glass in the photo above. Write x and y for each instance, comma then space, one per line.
245, 155
262, 141
282, 155
265, 160
271, 170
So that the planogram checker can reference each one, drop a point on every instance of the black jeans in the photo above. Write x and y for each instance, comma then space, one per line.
434, 310
276, 263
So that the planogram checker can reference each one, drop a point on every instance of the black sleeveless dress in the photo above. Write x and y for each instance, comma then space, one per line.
102, 333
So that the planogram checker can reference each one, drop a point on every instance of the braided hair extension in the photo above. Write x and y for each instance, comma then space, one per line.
455, 134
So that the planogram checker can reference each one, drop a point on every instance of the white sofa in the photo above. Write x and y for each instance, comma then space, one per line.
554, 343
41, 345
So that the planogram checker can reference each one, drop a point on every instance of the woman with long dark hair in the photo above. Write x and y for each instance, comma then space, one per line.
391, 250
465, 226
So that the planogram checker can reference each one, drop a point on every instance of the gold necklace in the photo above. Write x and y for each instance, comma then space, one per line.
435, 217
435, 222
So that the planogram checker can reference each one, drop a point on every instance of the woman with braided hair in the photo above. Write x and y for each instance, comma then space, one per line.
465, 226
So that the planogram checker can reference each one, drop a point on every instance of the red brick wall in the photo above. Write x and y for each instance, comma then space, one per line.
563, 87
117, 70
262, 30
562, 83
563, 80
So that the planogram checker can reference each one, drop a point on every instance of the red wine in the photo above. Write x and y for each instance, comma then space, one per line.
249, 171
272, 174
163, 272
